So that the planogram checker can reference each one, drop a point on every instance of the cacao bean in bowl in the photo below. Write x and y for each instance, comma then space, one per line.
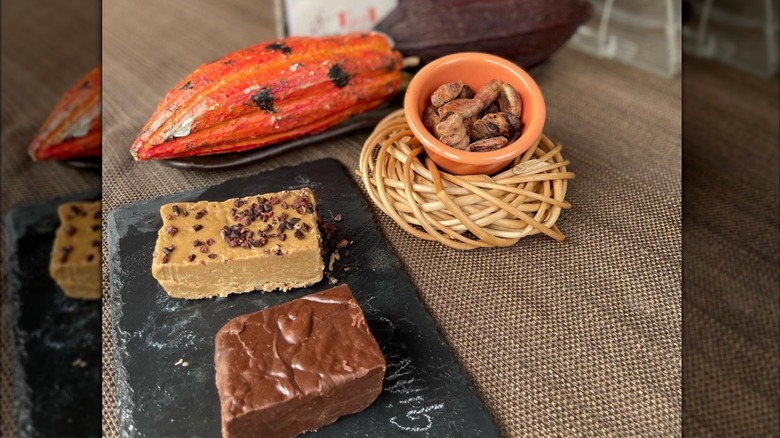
474, 70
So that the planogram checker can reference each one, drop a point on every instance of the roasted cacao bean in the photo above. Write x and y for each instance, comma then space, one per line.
487, 145
446, 93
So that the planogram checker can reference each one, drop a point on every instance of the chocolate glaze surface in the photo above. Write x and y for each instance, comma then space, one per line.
297, 366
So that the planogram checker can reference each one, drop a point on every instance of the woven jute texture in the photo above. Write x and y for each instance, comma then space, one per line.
731, 307
46, 47
575, 338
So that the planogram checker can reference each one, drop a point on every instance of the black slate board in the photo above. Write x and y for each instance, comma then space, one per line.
426, 392
56, 395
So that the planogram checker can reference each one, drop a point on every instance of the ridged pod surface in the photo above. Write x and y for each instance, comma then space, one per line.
269, 93
526, 32
73, 129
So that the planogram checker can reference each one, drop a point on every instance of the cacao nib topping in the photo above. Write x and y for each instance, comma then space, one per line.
239, 202
338, 76
200, 214
281, 236
268, 227
169, 216
305, 227
175, 209
338, 218
212, 256
165, 258
95, 227
266, 251
273, 200
168, 249
95, 243
267, 207
204, 249
191, 257
75, 210
70, 230
264, 100
171, 230
279, 47
197, 227
294, 220
233, 211
65, 251
210, 242
96, 215
197, 242
282, 227
284, 205
185, 213
299, 234
277, 250
90, 257
237, 235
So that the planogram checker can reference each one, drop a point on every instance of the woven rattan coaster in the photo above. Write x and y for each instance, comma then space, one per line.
463, 211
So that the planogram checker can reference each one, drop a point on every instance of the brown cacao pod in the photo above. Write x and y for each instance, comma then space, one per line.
526, 32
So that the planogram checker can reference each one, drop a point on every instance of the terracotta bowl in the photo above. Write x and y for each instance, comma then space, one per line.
475, 70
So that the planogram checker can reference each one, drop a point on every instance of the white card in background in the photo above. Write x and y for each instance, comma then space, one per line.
320, 17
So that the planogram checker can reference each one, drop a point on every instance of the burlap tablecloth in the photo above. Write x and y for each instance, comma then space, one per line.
582, 337
46, 47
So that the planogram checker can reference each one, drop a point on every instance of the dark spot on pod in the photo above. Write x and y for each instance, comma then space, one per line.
279, 47
264, 100
187, 86
390, 65
338, 76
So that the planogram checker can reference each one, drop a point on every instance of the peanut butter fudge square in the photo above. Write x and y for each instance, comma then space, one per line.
296, 367
75, 256
263, 242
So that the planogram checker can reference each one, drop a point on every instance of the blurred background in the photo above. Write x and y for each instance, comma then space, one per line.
47, 47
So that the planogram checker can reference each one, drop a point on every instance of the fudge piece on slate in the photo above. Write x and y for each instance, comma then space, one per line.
75, 256
262, 242
297, 366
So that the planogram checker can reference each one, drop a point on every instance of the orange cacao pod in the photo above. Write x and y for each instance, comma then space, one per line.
73, 128
269, 93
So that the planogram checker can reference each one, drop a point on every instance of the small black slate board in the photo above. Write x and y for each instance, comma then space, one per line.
56, 340
426, 392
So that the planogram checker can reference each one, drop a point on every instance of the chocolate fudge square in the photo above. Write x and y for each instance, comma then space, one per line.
297, 366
